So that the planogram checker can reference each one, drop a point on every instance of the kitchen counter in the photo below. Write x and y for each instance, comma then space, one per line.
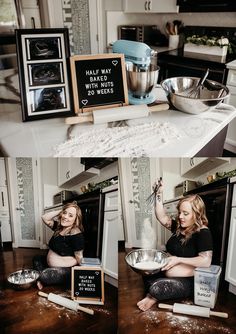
40, 138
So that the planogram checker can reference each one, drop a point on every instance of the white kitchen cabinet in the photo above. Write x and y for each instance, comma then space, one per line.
192, 167
110, 244
150, 6
68, 168
4, 204
111, 235
66, 171
113, 5
31, 12
111, 201
3, 181
230, 274
72, 172
5, 227
234, 196
230, 143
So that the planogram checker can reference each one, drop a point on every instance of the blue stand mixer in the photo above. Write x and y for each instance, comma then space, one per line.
141, 74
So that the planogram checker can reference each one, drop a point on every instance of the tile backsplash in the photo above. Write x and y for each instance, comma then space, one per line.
115, 18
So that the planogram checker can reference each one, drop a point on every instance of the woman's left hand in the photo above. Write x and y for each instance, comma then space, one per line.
171, 262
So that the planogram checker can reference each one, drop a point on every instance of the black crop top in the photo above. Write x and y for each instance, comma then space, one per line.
199, 242
67, 245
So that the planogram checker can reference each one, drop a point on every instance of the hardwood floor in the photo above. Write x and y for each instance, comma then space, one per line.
133, 321
26, 312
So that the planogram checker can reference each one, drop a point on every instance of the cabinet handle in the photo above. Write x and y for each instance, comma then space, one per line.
191, 162
68, 174
130, 201
2, 199
149, 5
32, 22
146, 5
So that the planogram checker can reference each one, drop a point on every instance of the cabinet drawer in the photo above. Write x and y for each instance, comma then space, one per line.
231, 79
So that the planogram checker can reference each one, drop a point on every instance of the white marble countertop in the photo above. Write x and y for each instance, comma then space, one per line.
39, 138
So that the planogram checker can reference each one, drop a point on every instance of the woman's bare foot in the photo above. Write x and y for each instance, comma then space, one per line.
39, 285
146, 303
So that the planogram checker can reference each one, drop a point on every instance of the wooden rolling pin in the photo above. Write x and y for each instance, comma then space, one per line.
193, 310
101, 116
71, 304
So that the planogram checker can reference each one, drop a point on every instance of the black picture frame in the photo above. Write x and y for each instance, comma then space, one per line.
43, 57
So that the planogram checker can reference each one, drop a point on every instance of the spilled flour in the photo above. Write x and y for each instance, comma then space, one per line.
148, 235
139, 140
156, 321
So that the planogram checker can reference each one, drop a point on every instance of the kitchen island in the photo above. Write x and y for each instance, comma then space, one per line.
195, 135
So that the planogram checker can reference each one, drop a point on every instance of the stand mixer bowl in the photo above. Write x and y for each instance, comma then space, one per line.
141, 80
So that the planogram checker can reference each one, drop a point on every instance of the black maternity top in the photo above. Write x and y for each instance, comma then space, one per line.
199, 242
67, 245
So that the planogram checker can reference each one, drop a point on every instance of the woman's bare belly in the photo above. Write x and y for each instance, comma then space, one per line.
180, 270
55, 260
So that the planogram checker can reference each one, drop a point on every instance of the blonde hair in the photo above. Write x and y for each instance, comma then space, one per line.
199, 215
78, 219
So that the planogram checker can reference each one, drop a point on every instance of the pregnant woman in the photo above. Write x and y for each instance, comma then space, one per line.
189, 246
65, 246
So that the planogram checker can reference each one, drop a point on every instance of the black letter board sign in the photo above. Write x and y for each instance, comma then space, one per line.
87, 286
98, 81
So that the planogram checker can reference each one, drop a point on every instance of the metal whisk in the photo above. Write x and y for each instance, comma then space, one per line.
195, 92
151, 199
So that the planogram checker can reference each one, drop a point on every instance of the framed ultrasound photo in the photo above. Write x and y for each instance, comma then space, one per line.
44, 73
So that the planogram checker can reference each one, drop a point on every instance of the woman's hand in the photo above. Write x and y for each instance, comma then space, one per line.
160, 212
171, 262
48, 218
159, 185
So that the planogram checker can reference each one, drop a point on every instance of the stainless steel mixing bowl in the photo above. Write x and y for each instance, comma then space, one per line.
210, 95
146, 256
141, 79
23, 279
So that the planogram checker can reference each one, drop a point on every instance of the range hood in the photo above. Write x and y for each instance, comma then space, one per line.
97, 163
206, 5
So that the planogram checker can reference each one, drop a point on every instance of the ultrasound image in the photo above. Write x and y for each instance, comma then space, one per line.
49, 99
44, 48
42, 74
